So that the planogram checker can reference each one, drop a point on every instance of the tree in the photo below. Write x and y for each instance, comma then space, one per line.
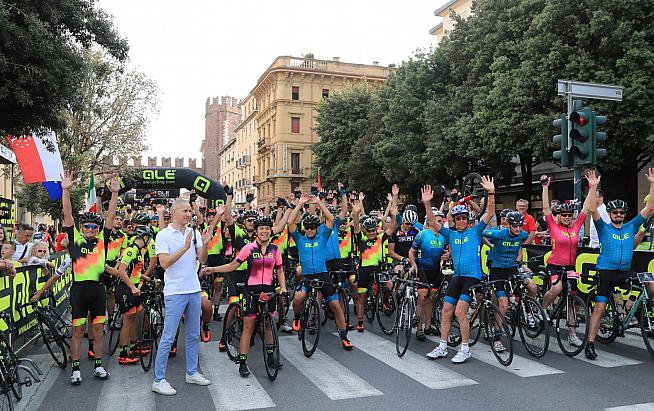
41, 63
35, 199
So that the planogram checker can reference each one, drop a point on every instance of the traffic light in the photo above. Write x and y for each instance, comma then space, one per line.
582, 150
562, 141
597, 137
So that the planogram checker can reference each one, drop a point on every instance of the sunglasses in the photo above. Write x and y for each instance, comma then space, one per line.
619, 212
566, 215
309, 227
90, 226
39, 251
516, 225
460, 218
251, 220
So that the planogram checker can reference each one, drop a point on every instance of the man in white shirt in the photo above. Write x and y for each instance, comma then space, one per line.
178, 249
23, 244
601, 209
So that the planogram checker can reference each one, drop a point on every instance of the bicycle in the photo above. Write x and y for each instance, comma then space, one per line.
342, 289
438, 300
53, 336
152, 323
406, 313
233, 326
284, 300
616, 319
265, 325
115, 325
310, 318
381, 302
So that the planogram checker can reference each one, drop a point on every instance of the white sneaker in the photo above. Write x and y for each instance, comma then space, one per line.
76, 378
198, 379
498, 346
461, 356
101, 373
286, 328
437, 353
574, 340
163, 387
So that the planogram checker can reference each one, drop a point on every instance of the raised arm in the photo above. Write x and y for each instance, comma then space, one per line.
392, 210
488, 184
114, 186
545, 182
329, 217
343, 195
66, 185
649, 207
591, 198
292, 218
279, 225
356, 213
427, 197
227, 216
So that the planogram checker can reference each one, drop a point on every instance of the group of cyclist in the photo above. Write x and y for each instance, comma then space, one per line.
313, 236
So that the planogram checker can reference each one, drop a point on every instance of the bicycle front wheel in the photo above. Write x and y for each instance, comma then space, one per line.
114, 331
311, 328
647, 327
532, 325
403, 320
345, 306
369, 306
386, 308
6, 401
53, 342
499, 333
148, 337
270, 343
232, 330
571, 322
608, 327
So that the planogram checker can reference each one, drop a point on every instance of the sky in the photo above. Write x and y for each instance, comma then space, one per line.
196, 49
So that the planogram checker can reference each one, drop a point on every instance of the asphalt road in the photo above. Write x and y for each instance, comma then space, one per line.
369, 377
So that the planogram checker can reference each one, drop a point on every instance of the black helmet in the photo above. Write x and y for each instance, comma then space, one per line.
263, 221
615, 204
515, 218
565, 208
332, 209
504, 212
89, 217
311, 220
142, 231
141, 219
250, 214
370, 223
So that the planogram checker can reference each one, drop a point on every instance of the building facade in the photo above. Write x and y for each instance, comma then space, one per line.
222, 115
286, 96
446, 13
246, 150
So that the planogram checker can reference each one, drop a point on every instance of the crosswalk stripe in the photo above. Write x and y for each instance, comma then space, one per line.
239, 393
647, 406
520, 366
320, 370
34, 395
632, 340
127, 389
428, 373
604, 359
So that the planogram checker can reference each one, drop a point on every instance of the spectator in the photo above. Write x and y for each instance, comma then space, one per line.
39, 255
530, 224
43, 235
601, 209
61, 242
22, 242
7, 263
3, 235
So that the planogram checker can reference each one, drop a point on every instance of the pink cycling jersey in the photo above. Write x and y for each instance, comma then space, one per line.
260, 267
564, 240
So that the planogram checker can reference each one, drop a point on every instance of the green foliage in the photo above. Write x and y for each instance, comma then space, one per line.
36, 200
41, 61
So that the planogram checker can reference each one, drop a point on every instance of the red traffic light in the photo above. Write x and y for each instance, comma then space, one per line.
578, 117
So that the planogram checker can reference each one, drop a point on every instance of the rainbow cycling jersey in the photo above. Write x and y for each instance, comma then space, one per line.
261, 264
617, 244
465, 247
88, 256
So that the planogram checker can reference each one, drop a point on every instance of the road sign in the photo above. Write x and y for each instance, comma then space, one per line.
589, 90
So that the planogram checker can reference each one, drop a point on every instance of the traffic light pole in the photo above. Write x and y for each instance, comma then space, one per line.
577, 170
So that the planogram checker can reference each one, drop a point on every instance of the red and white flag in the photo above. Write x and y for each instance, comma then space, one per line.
36, 161
91, 196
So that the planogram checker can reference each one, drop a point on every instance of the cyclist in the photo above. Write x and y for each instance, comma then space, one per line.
311, 250
564, 236
216, 251
465, 248
370, 244
616, 252
507, 244
88, 251
401, 240
425, 257
264, 260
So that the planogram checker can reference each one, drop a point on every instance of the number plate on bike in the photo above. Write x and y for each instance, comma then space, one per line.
645, 277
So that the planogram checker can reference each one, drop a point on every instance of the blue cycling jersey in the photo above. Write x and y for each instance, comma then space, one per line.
312, 250
430, 249
465, 247
505, 246
617, 244
333, 251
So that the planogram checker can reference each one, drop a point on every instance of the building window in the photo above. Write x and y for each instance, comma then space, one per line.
325, 93
295, 163
295, 95
295, 125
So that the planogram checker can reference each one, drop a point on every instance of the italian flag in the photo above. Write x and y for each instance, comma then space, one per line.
91, 197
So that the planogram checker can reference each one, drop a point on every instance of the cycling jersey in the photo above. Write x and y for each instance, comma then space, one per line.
134, 259
216, 245
312, 250
617, 244
564, 240
346, 243
505, 246
372, 249
465, 247
430, 248
281, 240
117, 241
261, 266
333, 251
240, 238
403, 240
88, 256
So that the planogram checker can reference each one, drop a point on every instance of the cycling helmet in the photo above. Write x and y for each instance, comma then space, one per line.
615, 204
472, 217
142, 231
89, 217
311, 220
141, 219
460, 209
411, 207
370, 223
263, 221
410, 217
154, 218
515, 218
565, 208
332, 210
504, 212
437, 212
250, 214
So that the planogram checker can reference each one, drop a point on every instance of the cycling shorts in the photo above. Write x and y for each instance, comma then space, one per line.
107, 279
88, 298
365, 278
608, 280
341, 264
555, 271
433, 277
497, 273
328, 291
459, 289
232, 279
128, 303
251, 299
